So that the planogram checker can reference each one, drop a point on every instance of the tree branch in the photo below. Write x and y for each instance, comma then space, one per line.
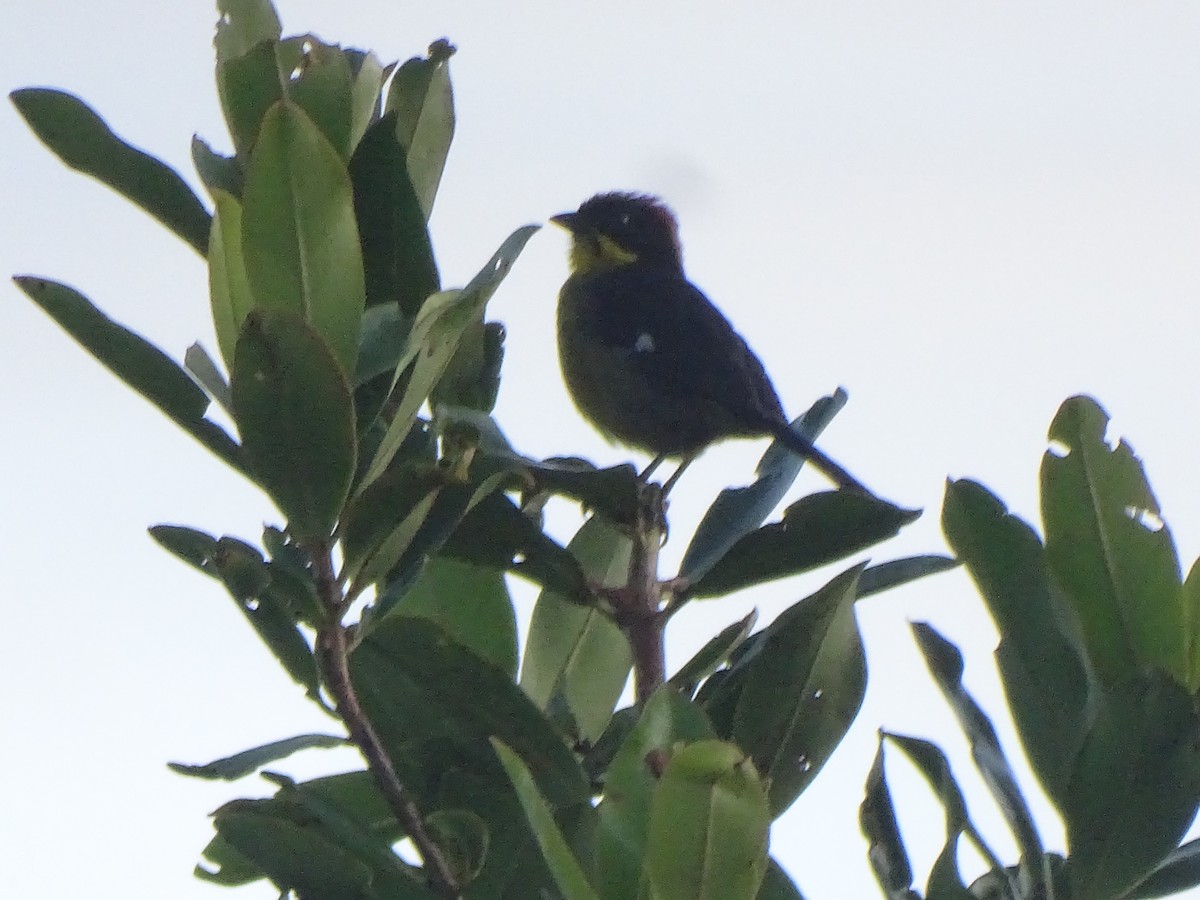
332, 648
640, 616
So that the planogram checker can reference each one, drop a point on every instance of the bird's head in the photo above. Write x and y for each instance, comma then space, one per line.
619, 229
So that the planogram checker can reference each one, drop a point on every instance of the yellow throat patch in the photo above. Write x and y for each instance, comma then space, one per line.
591, 253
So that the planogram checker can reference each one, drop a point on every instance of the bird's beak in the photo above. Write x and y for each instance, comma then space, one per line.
565, 220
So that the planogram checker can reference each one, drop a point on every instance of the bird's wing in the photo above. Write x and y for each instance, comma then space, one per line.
670, 334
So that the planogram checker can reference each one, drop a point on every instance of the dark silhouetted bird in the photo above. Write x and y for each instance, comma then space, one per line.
646, 356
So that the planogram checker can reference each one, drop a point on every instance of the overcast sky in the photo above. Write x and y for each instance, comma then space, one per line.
962, 212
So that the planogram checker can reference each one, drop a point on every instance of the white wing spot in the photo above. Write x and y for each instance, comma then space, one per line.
644, 343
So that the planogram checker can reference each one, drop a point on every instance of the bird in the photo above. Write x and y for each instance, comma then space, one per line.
647, 358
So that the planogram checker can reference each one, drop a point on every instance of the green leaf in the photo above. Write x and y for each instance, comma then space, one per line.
390, 877
946, 665
382, 521
381, 341
242, 568
82, 140
463, 838
885, 576
713, 654
802, 689
299, 237
322, 805
931, 762
1190, 601
226, 866
249, 83
433, 339
135, 361
495, 533
471, 604
397, 255
886, 851
1136, 785
318, 80
777, 885
247, 762
1119, 571
945, 882
365, 94
575, 657
472, 379
998, 884
421, 97
296, 858
719, 693
228, 288
708, 826
475, 428
1040, 656
417, 685
513, 866
218, 172
242, 24
196, 548
355, 795
204, 369
1176, 872
247, 578
613, 492
624, 813
816, 530
447, 511
568, 874
296, 418
293, 588
738, 511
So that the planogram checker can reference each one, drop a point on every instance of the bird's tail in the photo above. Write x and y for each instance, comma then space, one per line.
802, 446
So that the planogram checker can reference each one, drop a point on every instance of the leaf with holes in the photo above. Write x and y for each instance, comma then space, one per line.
802, 689
319, 81
1120, 572
242, 24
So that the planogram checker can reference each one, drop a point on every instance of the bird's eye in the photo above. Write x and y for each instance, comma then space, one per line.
626, 218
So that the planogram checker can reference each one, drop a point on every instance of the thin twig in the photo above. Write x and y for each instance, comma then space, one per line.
333, 656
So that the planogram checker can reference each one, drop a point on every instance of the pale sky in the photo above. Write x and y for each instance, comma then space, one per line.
962, 212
